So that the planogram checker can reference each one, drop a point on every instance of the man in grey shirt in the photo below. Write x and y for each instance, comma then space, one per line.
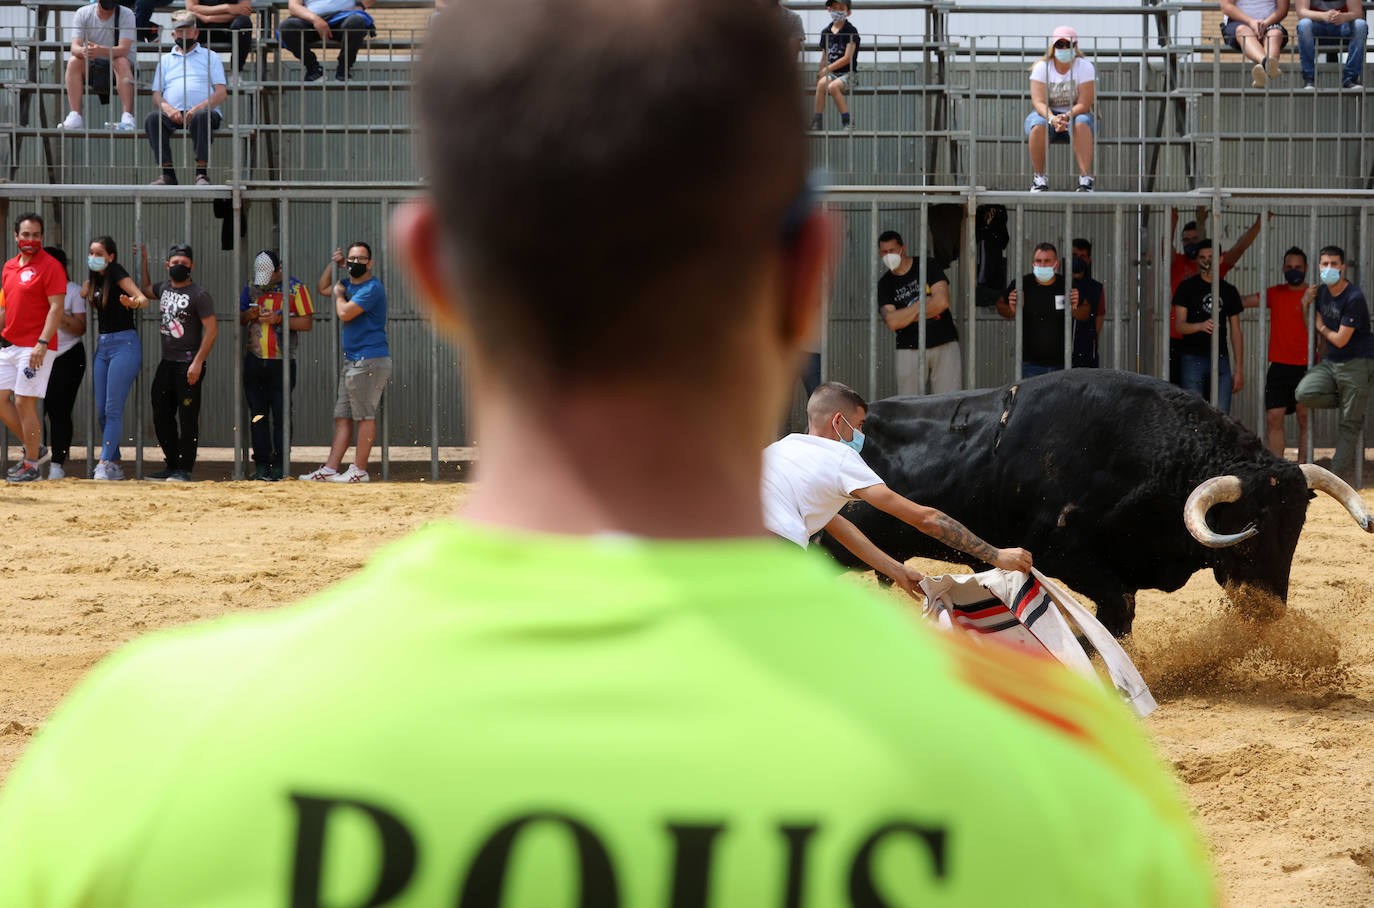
102, 37
1332, 23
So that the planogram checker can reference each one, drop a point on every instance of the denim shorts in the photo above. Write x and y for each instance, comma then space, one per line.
1228, 33
1034, 120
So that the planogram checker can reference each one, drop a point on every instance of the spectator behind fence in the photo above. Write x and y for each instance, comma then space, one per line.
188, 330
604, 684
1196, 317
1287, 350
1345, 376
102, 39
143, 18
33, 287
1184, 265
839, 45
114, 298
345, 24
1087, 333
1253, 28
225, 25
899, 302
188, 88
68, 368
1332, 23
261, 308
360, 304
1042, 323
1063, 87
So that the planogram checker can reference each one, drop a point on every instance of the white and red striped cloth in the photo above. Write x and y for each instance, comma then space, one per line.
1027, 611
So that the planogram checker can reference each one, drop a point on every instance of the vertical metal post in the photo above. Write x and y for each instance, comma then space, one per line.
1260, 427
1364, 259
1118, 272
1311, 328
91, 339
434, 402
1018, 237
1218, 316
826, 277
237, 395
969, 259
1164, 293
1066, 263
972, 105
142, 242
336, 349
1216, 117
386, 403
873, 317
923, 276
287, 360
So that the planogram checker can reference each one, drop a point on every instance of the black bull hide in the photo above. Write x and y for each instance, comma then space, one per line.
1089, 470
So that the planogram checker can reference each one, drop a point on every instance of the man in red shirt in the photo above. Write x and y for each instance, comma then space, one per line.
33, 286
1287, 350
1184, 265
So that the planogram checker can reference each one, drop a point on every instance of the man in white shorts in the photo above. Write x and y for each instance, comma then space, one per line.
33, 287
808, 478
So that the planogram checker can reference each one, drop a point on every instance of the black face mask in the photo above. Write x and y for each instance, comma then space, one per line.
178, 273
186, 44
107, 5
1081, 268
1190, 250
357, 269
1294, 276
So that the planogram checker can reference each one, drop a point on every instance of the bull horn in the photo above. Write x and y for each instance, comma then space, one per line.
1322, 480
1218, 488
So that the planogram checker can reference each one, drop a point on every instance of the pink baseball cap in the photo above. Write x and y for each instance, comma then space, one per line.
1065, 31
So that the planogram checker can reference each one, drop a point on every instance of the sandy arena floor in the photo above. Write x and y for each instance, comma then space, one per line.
1270, 727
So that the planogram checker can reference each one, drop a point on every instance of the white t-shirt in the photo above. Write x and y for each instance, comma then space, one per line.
1063, 87
74, 305
89, 27
806, 480
1257, 9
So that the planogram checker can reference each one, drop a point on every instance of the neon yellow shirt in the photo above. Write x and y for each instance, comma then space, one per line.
491, 718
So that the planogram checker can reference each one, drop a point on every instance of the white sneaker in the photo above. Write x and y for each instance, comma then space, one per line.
73, 121
1260, 77
323, 474
1273, 68
114, 471
102, 470
352, 474
55, 471
126, 123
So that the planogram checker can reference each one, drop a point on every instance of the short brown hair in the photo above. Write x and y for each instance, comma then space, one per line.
832, 397
649, 153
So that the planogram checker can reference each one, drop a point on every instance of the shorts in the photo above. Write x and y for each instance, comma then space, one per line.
360, 387
1034, 120
846, 81
1281, 385
1228, 33
14, 359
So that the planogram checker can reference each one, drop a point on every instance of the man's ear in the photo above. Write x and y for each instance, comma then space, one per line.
804, 267
415, 232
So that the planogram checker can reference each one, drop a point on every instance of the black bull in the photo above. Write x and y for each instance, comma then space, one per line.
1089, 470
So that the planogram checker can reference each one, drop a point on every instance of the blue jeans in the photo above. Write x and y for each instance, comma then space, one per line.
1196, 374
1034, 119
1030, 370
118, 357
1310, 33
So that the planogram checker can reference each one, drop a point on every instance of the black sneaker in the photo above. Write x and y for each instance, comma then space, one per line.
314, 72
1308, 86
341, 74
1352, 85
180, 476
817, 124
163, 474
26, 474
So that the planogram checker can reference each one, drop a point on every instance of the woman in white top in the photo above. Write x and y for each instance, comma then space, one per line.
1245, 22
1061, 84
67, 371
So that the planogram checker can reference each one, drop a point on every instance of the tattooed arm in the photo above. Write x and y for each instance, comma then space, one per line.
940, 526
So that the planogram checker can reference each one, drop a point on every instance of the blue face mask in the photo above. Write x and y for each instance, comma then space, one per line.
96, 263
1064, 54
857, 442
1330, 276
1043, 273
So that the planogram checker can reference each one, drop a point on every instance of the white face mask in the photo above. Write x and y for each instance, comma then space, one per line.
263, 269
838, 15
893, 261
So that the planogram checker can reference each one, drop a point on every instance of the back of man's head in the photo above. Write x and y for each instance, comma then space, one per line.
606, 176
830, 398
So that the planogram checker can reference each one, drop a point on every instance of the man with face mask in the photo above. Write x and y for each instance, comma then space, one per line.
808, 478
1184, 265
188, 88
1088, 331
262, 307
1287, 351
188, 330
360, 304
1344, 377
1043, 296
1197, 318
102, 39
899, 302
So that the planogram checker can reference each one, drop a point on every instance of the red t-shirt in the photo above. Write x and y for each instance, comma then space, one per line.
25, 290
1287, 330
1180, 270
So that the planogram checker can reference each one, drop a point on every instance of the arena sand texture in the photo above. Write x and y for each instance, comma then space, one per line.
1269, 725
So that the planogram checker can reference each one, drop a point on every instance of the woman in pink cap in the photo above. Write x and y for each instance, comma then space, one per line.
1062, 97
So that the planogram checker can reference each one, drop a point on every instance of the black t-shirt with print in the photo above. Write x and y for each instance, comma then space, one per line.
1195, 295
110, 314
834, 44
902, 290
1042, 320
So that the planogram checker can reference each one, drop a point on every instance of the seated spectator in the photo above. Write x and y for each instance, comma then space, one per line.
225, 25
313, 23
68, 368
839, 47
1196, 319
1332, 23
143, 18
188, 88
102, 35
1252, 27
1087, 333
1042, 324
1062, 92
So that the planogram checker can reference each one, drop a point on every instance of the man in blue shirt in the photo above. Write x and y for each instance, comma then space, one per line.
1344, 377
188, 88
360, 303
